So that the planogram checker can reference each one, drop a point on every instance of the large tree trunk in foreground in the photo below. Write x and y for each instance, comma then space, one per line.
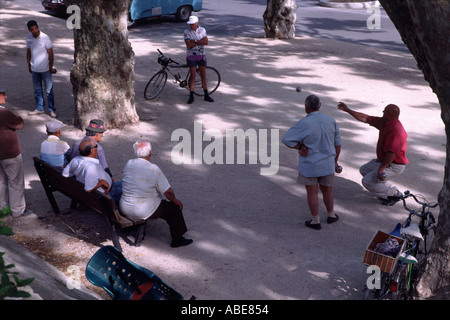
424, 27
279, 19
102, 74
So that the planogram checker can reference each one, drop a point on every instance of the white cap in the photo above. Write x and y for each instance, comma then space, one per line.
53, 126
192, 20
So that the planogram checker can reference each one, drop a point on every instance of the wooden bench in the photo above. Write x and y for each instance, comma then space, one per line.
53, 180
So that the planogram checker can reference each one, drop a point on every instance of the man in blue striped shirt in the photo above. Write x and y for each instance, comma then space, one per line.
54, 151
318, 140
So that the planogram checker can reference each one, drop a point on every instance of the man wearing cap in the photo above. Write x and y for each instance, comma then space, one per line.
12, 184
40, 65
54, 151
196, 40
94, 132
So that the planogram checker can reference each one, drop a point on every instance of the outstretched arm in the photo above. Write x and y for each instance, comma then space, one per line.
355, 114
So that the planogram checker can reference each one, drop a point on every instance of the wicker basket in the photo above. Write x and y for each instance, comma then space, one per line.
384, 262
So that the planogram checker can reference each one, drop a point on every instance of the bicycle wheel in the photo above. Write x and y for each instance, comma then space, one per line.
212, 80
403, 289
155, 85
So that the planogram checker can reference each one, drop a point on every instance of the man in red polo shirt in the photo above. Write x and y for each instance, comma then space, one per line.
391, 152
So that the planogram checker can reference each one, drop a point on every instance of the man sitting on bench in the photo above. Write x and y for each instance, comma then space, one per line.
87, 169
143, 186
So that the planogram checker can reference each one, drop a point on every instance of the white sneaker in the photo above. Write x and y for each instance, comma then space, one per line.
35, 112
52, 114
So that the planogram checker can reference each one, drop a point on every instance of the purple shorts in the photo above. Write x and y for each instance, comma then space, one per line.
196, 60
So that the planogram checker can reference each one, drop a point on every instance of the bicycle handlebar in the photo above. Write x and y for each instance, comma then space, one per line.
170, 60
424, 205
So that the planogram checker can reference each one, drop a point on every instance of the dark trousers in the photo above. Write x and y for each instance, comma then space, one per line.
170, 212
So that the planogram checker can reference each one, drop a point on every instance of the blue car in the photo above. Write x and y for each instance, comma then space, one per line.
182, 9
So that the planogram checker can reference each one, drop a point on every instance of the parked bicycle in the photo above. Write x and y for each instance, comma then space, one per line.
158, 81
399, 283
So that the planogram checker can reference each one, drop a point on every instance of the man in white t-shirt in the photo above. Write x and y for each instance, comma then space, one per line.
143, 188
40, 65
195, 39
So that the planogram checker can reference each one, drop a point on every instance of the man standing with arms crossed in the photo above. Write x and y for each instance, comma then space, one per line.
318, 140
40, 65
391, 152
195, 39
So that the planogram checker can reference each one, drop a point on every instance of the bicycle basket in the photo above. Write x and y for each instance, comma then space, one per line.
162, 60
384, 262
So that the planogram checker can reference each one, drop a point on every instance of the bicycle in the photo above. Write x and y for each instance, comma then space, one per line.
158, 81
400, 282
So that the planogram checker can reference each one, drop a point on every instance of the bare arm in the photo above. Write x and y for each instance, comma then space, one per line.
50, 60
170, 195
101, 183
29, 59
336, 158
193, 43
355, 114
388, 159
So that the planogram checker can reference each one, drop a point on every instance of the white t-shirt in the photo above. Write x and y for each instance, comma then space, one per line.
88, 171
143, 186
39, 54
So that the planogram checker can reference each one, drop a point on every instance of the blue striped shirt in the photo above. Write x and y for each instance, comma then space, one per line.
55, 152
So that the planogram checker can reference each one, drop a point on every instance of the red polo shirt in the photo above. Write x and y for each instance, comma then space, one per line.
392, 138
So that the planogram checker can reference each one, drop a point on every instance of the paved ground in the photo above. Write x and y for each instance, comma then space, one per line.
250, 241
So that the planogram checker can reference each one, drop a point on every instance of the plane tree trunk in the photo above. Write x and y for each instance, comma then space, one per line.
424, 27
102, 74
279, 19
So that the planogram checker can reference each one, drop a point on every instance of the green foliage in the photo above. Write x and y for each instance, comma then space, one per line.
9, 287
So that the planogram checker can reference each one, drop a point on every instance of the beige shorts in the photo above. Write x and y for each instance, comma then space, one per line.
326, 181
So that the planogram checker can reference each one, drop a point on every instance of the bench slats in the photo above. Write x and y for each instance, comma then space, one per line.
52, 180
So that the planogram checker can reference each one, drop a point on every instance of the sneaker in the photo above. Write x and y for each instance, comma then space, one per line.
35, 112
52, 114
25, 213
208, 98
390, 201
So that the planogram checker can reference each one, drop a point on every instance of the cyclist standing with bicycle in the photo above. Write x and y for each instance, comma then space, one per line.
196, 40
391, 152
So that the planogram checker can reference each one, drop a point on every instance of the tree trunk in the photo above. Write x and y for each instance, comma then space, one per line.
102, 74
279, 19
424, 27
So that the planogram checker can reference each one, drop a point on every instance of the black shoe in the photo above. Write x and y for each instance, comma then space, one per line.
332, 219
390, 201
191, 99
208, 98
315, 226
181, 242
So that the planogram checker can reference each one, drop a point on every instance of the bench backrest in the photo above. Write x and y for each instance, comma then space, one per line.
52, 179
